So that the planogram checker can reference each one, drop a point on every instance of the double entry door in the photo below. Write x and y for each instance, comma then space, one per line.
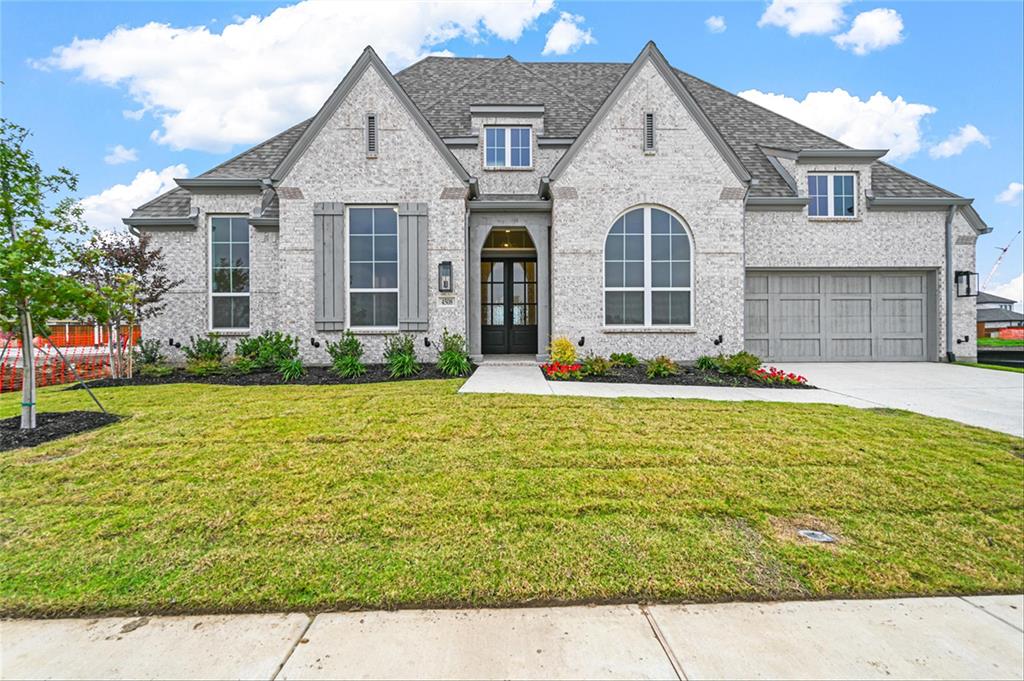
508, 297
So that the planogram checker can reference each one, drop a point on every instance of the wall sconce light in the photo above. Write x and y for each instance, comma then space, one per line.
170, 341
718, 341
314, 342
444, 276
426, 342
581, 341
966, 284
965, 339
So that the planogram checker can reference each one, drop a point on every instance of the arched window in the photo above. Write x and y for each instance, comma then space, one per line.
648, 271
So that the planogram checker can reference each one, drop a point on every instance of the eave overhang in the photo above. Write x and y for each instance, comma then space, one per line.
506, 109
840, 155
773, 203
220, 183
517, 206
177, 223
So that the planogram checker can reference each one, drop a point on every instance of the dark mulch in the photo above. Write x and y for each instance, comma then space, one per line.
375, 373
50, 426
687, 375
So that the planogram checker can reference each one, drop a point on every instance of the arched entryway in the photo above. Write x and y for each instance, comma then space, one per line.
509, 293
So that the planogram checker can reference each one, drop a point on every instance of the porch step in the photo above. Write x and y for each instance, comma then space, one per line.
509, 360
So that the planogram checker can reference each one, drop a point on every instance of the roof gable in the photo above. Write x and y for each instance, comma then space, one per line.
653, 55
368, 59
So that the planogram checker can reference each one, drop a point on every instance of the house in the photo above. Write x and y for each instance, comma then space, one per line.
995, 313
631, 207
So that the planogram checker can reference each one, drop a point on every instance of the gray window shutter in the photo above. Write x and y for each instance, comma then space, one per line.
329, 266
413, 278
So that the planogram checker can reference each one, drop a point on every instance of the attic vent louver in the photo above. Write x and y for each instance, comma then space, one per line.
649, 131
371, 134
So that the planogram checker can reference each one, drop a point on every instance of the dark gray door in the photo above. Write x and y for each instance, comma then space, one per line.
839, 316
508, 297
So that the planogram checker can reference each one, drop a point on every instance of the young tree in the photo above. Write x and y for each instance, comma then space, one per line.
130, 279
36, 246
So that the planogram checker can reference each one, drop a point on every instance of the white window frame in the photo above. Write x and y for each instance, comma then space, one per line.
647, 287
210, 294
830, 185
349, 290
508, 147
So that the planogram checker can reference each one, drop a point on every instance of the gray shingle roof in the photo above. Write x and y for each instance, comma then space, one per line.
991, 315
444, 88
985, 297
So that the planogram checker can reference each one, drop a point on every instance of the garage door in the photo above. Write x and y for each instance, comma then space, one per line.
839, 316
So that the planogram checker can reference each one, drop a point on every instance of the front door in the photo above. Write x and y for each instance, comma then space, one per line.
508, 316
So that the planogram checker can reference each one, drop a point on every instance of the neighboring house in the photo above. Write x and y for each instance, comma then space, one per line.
994, 313
630, 207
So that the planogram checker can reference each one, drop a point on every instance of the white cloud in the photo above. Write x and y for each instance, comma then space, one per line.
875, 123
871, 31
211, 90
566, 35
1013, 289
715, 24
955, 144
119, 154
1011, 194
800, 16
105, 209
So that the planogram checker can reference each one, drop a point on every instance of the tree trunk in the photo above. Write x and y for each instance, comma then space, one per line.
110, 350
131, 348
28, 373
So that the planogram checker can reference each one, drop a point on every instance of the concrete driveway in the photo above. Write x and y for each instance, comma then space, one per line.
978, 397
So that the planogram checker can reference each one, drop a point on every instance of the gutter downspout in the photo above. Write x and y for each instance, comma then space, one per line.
950, 356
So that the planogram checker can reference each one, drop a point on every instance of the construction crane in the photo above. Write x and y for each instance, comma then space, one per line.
999, 260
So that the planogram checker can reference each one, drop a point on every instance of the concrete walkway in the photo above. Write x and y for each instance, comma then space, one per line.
978, 397
977, 637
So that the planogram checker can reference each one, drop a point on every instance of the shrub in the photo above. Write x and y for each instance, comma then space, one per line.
625, 359
291, 369
204, 367
453, 360
778, 376
400, 356
155, 370
207, 348
347, 356
243, 365
268, 350
562, 351
706, 363
149, 351
595, 365
740, 364
557, 371
661, 367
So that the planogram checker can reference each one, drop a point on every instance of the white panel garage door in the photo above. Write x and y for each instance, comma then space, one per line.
839, 316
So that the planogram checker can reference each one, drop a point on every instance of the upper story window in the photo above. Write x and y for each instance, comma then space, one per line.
648, 271
831, 195
373, 267
507, 148
229, 273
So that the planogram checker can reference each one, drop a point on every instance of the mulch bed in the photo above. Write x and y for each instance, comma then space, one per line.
687, 375
50, 426
375, 373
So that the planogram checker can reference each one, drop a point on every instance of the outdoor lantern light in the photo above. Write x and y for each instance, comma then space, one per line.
444, 276
966, 284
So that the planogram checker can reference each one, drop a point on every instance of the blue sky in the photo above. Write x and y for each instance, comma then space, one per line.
209, 79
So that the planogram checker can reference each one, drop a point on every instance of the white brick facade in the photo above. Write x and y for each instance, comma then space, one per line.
609, 175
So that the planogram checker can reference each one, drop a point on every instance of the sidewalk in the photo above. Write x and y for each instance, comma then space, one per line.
976, 637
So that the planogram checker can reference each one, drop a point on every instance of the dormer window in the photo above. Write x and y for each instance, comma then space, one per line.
507, 147
831, 195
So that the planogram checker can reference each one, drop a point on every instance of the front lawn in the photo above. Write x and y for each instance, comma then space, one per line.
221, 498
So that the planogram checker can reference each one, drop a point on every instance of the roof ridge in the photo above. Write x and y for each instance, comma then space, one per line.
254, 148
552, 85
463, 83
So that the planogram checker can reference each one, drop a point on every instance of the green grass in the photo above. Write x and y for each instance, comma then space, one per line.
997, 367
985, 341
217, 498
